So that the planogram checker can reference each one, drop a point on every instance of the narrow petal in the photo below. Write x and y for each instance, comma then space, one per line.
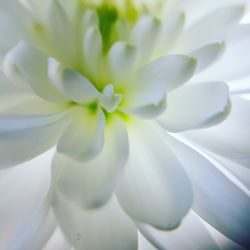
24, 137
207, 55
61, 33
104, 228
216, 198
222, 20
84, 137
196, 106
90, 184
171, 31
26, 221
122, 58
148, 111
152, 180
231, 138
191, 235
28, 65
236, 59
144, 36
162, 75
92, 49
71, 84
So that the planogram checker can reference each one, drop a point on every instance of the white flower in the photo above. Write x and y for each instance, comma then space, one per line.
151, 134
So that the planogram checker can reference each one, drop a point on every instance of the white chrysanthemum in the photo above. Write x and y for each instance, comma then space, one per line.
150, 127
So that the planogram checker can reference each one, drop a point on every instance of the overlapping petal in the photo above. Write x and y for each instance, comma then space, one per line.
154, 170
90, 184
104, 228
196, 106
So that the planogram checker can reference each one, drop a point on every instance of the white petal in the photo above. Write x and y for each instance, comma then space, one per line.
231, 138
212, 28
61, 33
28, 65
57, 242
216, 198
236, 59
121, 59
171, 30
84, 137
150, 189
90, 184
144, 36
70, 83
208, 54
196, 106
26, 221
162, 75
240, 172
109, 99
92, 50
24, 137
191, 235
147, 111
105, 228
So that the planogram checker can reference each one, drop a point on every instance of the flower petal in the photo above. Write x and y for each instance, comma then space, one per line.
57, 241
231, 138
24, 137
121, 59
90, 184
208, 54
148, 111
92, 50
162, 75
83, 139
26, 221
151, 180
28, 65
222, 20
171, 31
192, 234
216, 198
144, 36
196, 106
61, 33
236, 59
71, 84
104, 228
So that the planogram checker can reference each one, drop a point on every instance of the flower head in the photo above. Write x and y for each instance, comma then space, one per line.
133, 94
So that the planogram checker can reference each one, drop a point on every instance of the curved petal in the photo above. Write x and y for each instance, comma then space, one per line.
152, 180
196, 106
222, 20
208, 54
26, 64
104, 228
191, 235
26, 221
121, 58
144, 36
171, 31
70, 83
231, 138
92, 50
216, 198
90, 184
162, 75
24, 137
84, 137
148, 111
236, 59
